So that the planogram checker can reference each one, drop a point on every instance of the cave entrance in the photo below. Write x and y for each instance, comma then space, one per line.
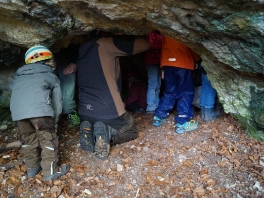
132, 63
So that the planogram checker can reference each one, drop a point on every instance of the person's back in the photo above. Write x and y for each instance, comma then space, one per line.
101, 109
36, 104
176, 54
178, 62
98, 73
31, 92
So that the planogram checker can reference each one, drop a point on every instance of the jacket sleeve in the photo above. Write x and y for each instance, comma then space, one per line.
56, 99
141, 44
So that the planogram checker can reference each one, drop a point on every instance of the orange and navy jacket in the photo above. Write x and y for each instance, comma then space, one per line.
176, 54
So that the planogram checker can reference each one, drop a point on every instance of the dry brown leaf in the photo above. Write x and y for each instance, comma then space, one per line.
23, 168
152, 163
160, 183
55, 190
79, 168
187, 163
201, 158
49, 195
2, 175
199, 191
13, 180
230, 128
19, 190
129, 187
38, 181
57, 182
251, 157
121, 181
186, 180
210, 182
127, 160
187, 190
236, 162
222, 190
204, 177
171, 150
204, 171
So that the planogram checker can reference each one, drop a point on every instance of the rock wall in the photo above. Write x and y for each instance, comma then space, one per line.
227, 34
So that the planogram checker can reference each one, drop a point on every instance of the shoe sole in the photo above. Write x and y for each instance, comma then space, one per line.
101, 148
86, 137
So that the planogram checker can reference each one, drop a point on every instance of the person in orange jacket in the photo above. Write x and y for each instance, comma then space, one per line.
178, 62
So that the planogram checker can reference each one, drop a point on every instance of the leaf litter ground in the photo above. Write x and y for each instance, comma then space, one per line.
217, 160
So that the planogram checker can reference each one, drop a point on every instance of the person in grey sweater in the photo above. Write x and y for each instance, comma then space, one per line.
36, 105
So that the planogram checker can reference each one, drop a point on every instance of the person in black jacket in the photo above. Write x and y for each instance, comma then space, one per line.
104, 120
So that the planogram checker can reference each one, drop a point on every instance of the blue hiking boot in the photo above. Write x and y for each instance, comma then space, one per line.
32, 172
158, 121
187, 126
63, 170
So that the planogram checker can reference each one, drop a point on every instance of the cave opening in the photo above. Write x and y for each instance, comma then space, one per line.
131, 64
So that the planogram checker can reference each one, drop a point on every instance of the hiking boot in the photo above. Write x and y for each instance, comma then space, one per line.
187, 126
102, 140
73, 119
158, 121
86, 136
210, 114
32, 172
202, 113
64, 168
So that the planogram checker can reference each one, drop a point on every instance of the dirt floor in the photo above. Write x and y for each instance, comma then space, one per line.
217, 160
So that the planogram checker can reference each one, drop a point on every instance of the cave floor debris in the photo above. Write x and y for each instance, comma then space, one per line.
217, 160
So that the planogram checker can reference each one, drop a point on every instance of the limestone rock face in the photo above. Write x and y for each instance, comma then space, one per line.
229, 36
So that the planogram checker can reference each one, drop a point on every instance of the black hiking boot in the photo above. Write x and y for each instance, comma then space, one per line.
86, 136
102, 140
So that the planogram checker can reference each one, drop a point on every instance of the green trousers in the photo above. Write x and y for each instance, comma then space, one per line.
39, 143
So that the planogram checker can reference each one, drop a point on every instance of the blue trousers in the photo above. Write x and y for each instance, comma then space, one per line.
154, 82
208, 93
179, 91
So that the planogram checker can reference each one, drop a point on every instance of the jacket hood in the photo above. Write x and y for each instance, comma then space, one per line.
34, 68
